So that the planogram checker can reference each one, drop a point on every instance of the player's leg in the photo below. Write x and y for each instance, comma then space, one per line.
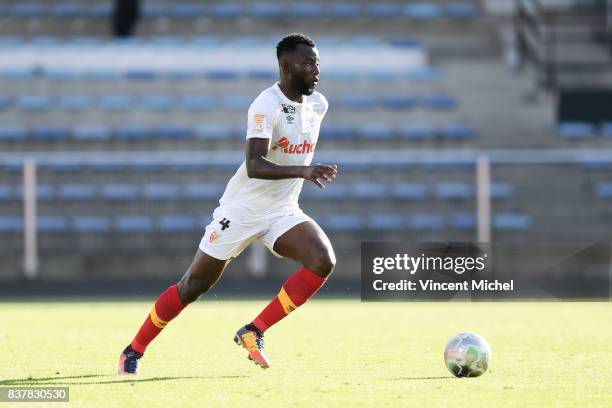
201, 275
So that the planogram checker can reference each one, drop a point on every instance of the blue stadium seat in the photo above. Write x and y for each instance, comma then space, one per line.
176, 222
52, 224
439, 102
454, 191
398, 102
423, 11
197, 103
576, 131
305, 10
7, 193
364, 41
416, 131
59, 74
66, 10
140, 74
359, 102
104, 165
174, 132
262, 74
50, 132
10, 41
11, 224
203, 191
343, 10
221, 74
27, 10
408, 191
337, 131
77, 192
333, 191
606, 130
91, 132
383, 10
34, 103
369, 191
461, 10
603, 190
425, 221
6, 102
134, 223
147, 164
153, 10
157, 103
213, 131
76, 103
266, 10
385, 221
457, 131
424, 74
463, 221
511, 221
70, 164
91, 224
120, 192
100, 74
342, 222
159, 191
46, 41
132, 132
501, 191
237, 102
12, 132
116, 103
374, 131
448, 164
99, 10
187, 10
226, 10
382, 75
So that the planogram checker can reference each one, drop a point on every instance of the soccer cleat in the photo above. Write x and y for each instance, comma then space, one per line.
128, 361
253, 341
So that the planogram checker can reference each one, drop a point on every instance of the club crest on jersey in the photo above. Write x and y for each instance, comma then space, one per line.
288, 109
213, 237
285, 146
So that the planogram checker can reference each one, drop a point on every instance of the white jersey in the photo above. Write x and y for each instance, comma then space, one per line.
293, 130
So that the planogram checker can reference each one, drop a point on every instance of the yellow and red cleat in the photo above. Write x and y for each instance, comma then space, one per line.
252, 341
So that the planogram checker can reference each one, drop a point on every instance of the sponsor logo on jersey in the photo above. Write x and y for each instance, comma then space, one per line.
285, 146
213, 237
288, 108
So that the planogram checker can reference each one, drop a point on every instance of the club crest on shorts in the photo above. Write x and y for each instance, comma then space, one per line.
213, 237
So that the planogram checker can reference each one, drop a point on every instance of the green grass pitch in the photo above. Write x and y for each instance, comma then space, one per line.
329, 353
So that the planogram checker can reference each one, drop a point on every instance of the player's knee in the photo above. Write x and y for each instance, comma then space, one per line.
322, 262
190, 288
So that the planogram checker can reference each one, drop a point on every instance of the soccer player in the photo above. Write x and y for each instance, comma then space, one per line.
261, 202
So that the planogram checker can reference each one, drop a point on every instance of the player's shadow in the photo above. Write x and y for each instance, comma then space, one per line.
22, 382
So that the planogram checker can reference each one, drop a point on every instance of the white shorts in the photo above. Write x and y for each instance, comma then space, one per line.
229, 233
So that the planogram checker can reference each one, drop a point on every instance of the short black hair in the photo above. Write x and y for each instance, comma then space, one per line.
290, 42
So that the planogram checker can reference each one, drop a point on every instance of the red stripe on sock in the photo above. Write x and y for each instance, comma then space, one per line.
167, 307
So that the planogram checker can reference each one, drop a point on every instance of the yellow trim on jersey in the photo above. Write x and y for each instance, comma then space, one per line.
156, 320
285, 301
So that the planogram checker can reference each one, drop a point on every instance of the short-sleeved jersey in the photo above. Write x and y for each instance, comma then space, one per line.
293, 130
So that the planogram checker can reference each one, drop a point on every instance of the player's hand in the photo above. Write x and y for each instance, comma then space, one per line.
319, 172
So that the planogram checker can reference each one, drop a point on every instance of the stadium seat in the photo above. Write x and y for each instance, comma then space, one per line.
333, 191
120, 192
157, 103
7, 193
153, 10
369, 191
91, 224
457, 131
187, 10
52, 224
398, 102
408, 191
99, 10
424, 74
132, 132
91, 132
237, 102
265, 10
385, 221
382, 75
359, 102
213, 131
27, 10
160, 191
116, 103
203, 191
374, 131
70, 164
221, 75
463, 221
6, 102
342, 222
603, 190
11, 224
454, 191
146, 164
140, 74
576, 131
134, 223
262, 74
383, 10
305, 10
461, 10
501, 191
606, 130
12, 132
174, 132
49, 132
104, 165
342, 10
511, 221
17, 74
226, 10
77, 192
34, 103
66, 10
337, 131
438, 102
423, 11
425, 221
416, 131
76, 103
197, 103
176, 223
46, 42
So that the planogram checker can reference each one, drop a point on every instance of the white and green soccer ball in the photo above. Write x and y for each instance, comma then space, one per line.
467, 355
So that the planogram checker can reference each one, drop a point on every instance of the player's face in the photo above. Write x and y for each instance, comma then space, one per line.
305, 73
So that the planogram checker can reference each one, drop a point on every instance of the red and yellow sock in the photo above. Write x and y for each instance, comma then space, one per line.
300, 286
166, 308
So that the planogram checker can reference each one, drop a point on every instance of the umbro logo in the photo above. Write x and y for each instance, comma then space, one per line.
290, 119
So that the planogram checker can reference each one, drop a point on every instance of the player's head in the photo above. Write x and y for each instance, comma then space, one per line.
298, 61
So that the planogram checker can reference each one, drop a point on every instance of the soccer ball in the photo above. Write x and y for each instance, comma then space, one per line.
467, 355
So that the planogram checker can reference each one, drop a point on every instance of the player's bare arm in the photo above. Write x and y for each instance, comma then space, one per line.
258, 166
